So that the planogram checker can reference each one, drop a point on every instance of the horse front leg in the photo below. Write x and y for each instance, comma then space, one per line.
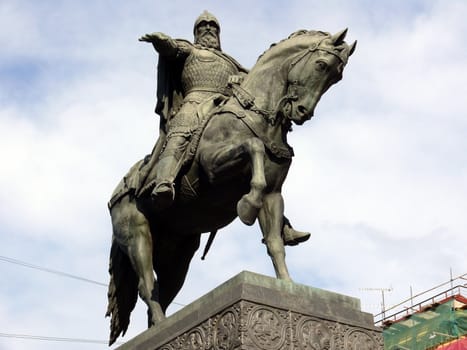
250, 204
271, 222
217, 160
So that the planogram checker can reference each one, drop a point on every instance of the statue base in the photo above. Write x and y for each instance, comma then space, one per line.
252, 311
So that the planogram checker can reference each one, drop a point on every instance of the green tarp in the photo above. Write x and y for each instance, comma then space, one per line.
428, 329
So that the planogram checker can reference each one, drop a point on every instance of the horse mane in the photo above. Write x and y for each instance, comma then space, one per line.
298, 33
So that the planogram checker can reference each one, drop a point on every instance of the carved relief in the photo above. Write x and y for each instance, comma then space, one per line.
226, 331
360, 340
246, 325
314, 334
195, 340
265, 328
166, 347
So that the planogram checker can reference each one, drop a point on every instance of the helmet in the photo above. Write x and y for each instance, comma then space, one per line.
207, 17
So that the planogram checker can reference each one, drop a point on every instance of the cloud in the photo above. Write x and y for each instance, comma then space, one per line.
379, 176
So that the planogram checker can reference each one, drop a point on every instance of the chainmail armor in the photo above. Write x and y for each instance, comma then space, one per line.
206, 71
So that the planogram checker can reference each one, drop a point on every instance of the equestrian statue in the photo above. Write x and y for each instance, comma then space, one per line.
222, 152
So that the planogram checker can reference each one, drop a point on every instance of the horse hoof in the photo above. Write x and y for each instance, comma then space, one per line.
155, 316
156, 320
247, 210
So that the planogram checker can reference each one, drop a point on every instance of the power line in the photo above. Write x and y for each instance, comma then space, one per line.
62, 274
56, 272
59, 273
56, 339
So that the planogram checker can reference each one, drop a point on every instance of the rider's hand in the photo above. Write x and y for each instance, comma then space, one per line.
154, 37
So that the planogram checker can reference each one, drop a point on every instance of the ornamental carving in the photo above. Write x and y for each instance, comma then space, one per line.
195, 340
166, 347
249, 326
360, 340
226, 331
314, 334
265, 328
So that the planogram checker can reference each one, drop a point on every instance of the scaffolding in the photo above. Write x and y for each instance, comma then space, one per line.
438, 322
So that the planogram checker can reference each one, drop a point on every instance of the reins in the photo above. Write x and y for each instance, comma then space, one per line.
247, 100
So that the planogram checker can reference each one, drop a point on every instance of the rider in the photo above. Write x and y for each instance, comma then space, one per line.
204, 71
189, 74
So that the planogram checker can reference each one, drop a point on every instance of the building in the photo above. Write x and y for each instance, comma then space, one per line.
438, 322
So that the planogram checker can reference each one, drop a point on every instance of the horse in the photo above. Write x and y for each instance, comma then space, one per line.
238, 168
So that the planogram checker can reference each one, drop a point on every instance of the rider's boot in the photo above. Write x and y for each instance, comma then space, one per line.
293, 237
164, 192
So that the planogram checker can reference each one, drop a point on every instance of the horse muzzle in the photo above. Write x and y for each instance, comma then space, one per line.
300, 114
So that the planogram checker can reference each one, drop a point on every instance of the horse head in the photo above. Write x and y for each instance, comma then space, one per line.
298, 71
313, 71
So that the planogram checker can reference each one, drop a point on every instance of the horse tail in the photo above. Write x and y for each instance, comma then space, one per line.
122, 293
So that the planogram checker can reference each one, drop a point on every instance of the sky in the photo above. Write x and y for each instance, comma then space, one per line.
379, 175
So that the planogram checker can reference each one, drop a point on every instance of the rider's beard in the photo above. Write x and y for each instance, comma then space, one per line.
208, 39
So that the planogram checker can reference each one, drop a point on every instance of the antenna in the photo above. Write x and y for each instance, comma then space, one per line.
382, 290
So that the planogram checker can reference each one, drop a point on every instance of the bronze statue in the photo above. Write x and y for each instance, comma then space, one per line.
197, 72
189, 74
228, 158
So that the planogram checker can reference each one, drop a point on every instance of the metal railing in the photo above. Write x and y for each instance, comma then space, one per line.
460, 290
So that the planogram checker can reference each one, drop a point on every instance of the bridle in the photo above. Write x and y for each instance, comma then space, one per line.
247, 101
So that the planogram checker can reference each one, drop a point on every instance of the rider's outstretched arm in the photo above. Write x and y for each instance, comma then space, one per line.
167, 46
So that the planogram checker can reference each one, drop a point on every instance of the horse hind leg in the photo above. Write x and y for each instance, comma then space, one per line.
134, 234
141, 257
250, 204
271, 222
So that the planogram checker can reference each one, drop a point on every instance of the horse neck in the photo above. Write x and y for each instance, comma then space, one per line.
267, 83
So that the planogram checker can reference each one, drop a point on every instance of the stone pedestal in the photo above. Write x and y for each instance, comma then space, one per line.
252, 311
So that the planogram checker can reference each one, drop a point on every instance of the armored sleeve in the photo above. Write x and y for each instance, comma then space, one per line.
171, 48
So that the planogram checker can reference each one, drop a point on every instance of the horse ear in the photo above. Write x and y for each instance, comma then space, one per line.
339, 37
352, 48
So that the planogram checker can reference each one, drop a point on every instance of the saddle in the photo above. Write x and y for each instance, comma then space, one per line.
206, 110
143, 181
128, 184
